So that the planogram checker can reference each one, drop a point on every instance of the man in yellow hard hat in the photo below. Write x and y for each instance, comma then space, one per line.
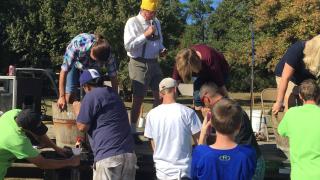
144, 44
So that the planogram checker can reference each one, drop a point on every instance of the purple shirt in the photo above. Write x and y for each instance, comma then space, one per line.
214, 66
109, 132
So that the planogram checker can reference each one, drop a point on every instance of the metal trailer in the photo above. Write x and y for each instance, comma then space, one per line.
26, 89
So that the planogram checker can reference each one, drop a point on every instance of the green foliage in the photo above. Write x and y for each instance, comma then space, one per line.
172, 18
36, 32
280, 23
229, 30
198, 12
230, 33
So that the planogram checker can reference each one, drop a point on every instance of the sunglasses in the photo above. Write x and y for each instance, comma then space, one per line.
205, 100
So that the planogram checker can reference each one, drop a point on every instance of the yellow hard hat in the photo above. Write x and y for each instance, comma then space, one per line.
150, 5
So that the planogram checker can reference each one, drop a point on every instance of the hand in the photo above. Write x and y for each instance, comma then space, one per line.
150, 30
206, 126
163, 52
205, 129
75, 161
76, 107
61, 151
277, 107
62, 104
205, 111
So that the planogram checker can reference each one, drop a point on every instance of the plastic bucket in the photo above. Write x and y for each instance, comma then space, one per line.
256, 120
64, 126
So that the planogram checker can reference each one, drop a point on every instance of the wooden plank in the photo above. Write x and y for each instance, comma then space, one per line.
23, 178
24, 165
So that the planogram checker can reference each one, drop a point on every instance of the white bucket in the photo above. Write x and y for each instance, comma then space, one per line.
141, 122
256, 121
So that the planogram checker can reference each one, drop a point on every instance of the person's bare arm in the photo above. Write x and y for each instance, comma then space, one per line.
62, 86
114, 83
76, 109
152, 144
43, 163
196, 138
286, 75
205, 129
45, 140
83, 127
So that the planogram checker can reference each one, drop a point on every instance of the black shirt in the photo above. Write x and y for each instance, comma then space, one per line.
294, 57
246, 135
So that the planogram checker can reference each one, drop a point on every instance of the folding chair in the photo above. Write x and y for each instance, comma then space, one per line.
270, 95
186, 89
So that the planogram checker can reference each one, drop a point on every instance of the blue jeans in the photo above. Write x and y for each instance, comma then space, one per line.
196, 92
72, 80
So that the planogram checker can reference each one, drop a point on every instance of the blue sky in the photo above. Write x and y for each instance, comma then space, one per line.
215, 2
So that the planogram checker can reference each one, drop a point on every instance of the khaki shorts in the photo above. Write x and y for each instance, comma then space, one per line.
291, 97
292, 87
117, 167
144, 74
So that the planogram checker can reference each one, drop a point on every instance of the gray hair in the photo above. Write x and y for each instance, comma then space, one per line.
210, 89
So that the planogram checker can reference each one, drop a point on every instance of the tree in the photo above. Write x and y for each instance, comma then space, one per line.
6, 17
34, 34
280, 23
198, 12
230, 34
172, 20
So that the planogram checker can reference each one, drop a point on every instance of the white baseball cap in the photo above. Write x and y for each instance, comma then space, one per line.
167, 83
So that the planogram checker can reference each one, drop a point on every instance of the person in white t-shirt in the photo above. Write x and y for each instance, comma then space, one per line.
171, 127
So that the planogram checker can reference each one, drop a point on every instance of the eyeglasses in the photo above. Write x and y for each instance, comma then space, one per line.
205, 100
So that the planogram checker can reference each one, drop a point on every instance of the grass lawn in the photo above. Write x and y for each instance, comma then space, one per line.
242, 98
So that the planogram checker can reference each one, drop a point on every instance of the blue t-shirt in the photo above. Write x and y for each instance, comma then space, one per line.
294, 57
238, 163
109, 132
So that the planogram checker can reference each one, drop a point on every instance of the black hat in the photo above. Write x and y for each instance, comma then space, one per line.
30, 120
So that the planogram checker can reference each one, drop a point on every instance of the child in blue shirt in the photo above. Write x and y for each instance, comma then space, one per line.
223, 160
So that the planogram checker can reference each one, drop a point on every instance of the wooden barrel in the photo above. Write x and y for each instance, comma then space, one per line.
282, 142
64, 126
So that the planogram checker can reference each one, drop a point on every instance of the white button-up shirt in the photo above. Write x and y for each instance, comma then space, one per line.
134, 39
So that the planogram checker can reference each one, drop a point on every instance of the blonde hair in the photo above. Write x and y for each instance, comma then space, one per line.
187, 61
312, 55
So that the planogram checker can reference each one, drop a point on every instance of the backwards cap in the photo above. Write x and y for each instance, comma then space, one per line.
167, 83
88, 75
30, 120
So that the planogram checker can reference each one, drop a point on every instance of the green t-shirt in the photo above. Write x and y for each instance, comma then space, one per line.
14, 144
302, 126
